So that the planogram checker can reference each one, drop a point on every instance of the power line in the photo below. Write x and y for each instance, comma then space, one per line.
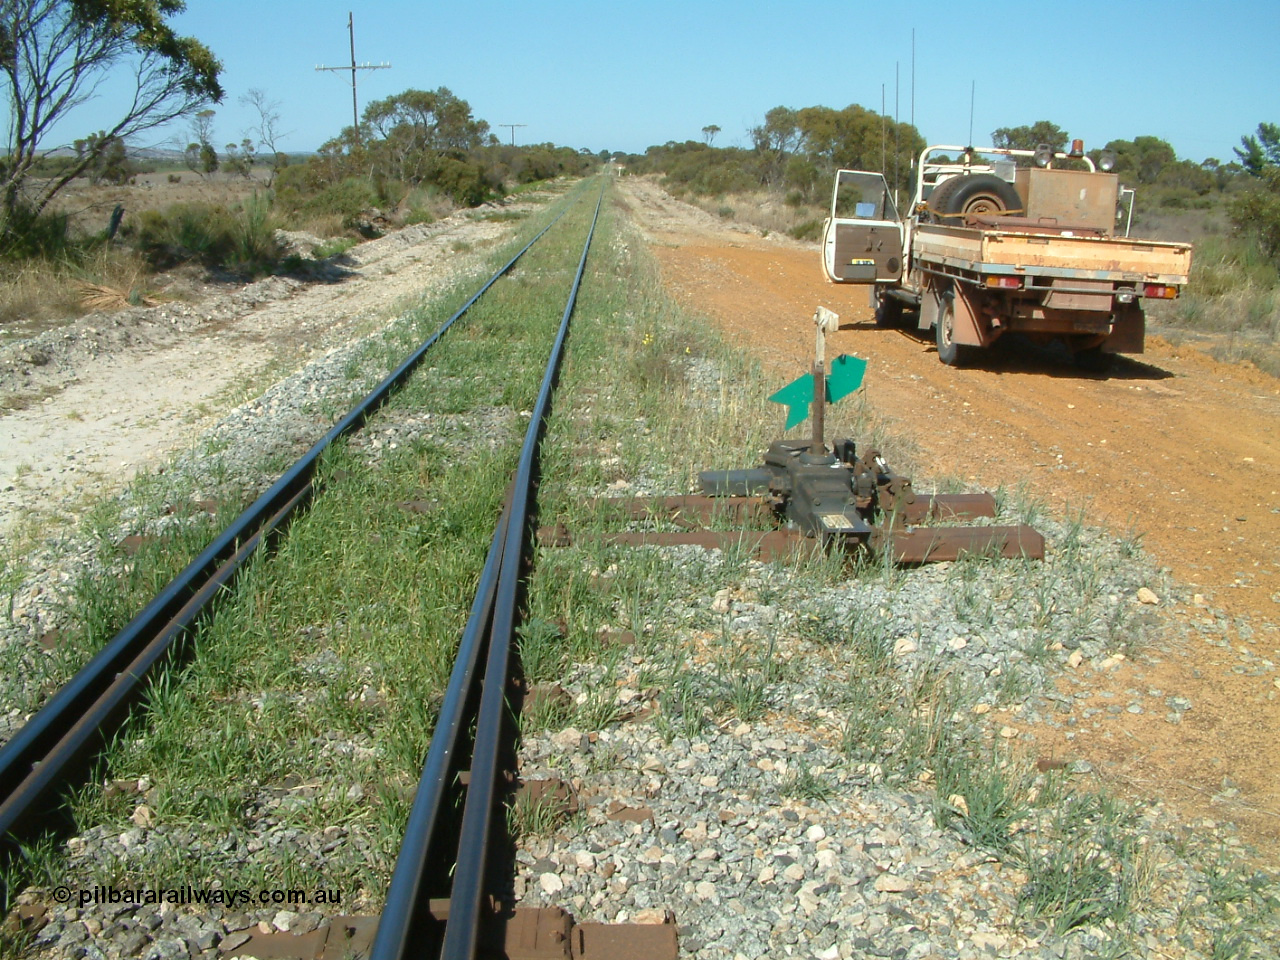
512, 127
355, 110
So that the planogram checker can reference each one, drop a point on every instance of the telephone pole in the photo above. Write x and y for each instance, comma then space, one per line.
513, 129
355, 110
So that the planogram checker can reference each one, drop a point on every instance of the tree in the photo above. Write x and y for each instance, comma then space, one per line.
410, 132
709, 133
859, 139
200, 155
1186, 175
267, 128
775, 140
1262, 151
1142, 158
53, 54
241, 157
112, 163
1255, 212
1028, 138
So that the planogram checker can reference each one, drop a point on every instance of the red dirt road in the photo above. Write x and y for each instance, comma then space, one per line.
1173, 445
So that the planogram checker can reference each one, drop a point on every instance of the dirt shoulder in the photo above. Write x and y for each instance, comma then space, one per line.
1174, 446
89, 404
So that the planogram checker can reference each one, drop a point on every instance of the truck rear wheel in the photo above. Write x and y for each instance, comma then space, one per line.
939, 305
978, 193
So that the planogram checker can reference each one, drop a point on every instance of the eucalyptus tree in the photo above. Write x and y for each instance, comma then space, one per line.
54, 54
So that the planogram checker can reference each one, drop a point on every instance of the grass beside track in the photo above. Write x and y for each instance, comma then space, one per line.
309, 699
141, 539
303, 718
651, 396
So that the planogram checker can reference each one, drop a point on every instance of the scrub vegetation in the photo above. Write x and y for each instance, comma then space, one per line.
307, 702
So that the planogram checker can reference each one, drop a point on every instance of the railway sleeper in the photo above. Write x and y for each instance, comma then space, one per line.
513, 933
831, 501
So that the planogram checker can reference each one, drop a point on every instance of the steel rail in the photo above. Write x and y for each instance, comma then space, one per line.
86, 732
405, 911
40, 756
419, 850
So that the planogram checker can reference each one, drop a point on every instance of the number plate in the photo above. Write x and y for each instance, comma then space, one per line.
837, 522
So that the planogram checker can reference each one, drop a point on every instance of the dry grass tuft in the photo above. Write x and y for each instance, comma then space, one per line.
98, 296
322, 225
40, 293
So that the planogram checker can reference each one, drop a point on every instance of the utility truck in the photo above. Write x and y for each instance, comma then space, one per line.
988, 246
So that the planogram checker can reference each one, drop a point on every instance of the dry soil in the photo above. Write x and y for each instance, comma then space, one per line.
1173, 445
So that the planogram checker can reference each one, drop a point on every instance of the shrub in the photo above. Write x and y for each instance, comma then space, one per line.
26, 234
241, 239
809, 230
1255, 214
347, 199
293, 185
1177, 198
464, 182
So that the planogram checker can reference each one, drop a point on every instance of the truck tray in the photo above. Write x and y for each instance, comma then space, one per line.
1052, 253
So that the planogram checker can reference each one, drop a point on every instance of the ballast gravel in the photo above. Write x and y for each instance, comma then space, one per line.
759, 836
762, 838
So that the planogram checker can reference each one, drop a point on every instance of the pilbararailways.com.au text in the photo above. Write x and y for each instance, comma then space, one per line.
190, 896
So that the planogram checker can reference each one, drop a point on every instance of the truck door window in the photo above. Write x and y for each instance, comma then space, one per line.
863, 196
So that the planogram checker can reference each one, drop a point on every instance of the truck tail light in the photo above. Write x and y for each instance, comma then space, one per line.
1159, 291
1012, 283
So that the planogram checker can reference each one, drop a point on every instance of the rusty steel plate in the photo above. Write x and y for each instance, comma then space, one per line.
536, 934
625, 941
939, 544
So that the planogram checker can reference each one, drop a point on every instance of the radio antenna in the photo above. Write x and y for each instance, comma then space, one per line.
896, 158
973, 86
884, 160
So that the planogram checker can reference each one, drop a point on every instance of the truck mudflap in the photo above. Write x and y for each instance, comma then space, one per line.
954, 304
1129, 332
959, 326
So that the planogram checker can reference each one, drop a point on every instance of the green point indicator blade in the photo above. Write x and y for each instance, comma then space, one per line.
797, 396
845, 376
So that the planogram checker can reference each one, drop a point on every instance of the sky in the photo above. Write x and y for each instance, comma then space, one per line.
624, 76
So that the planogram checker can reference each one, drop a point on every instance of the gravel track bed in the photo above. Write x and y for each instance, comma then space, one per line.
232, 462
717, 777
769, 837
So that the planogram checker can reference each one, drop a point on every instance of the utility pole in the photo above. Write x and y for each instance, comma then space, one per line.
355, 110
513, 129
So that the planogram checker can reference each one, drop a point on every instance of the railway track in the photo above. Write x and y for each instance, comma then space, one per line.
55, 749
425, 913
774, 755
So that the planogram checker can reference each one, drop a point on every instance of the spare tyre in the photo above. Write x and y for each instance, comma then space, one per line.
957, 198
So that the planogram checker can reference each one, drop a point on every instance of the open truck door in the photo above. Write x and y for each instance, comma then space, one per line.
862, 241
